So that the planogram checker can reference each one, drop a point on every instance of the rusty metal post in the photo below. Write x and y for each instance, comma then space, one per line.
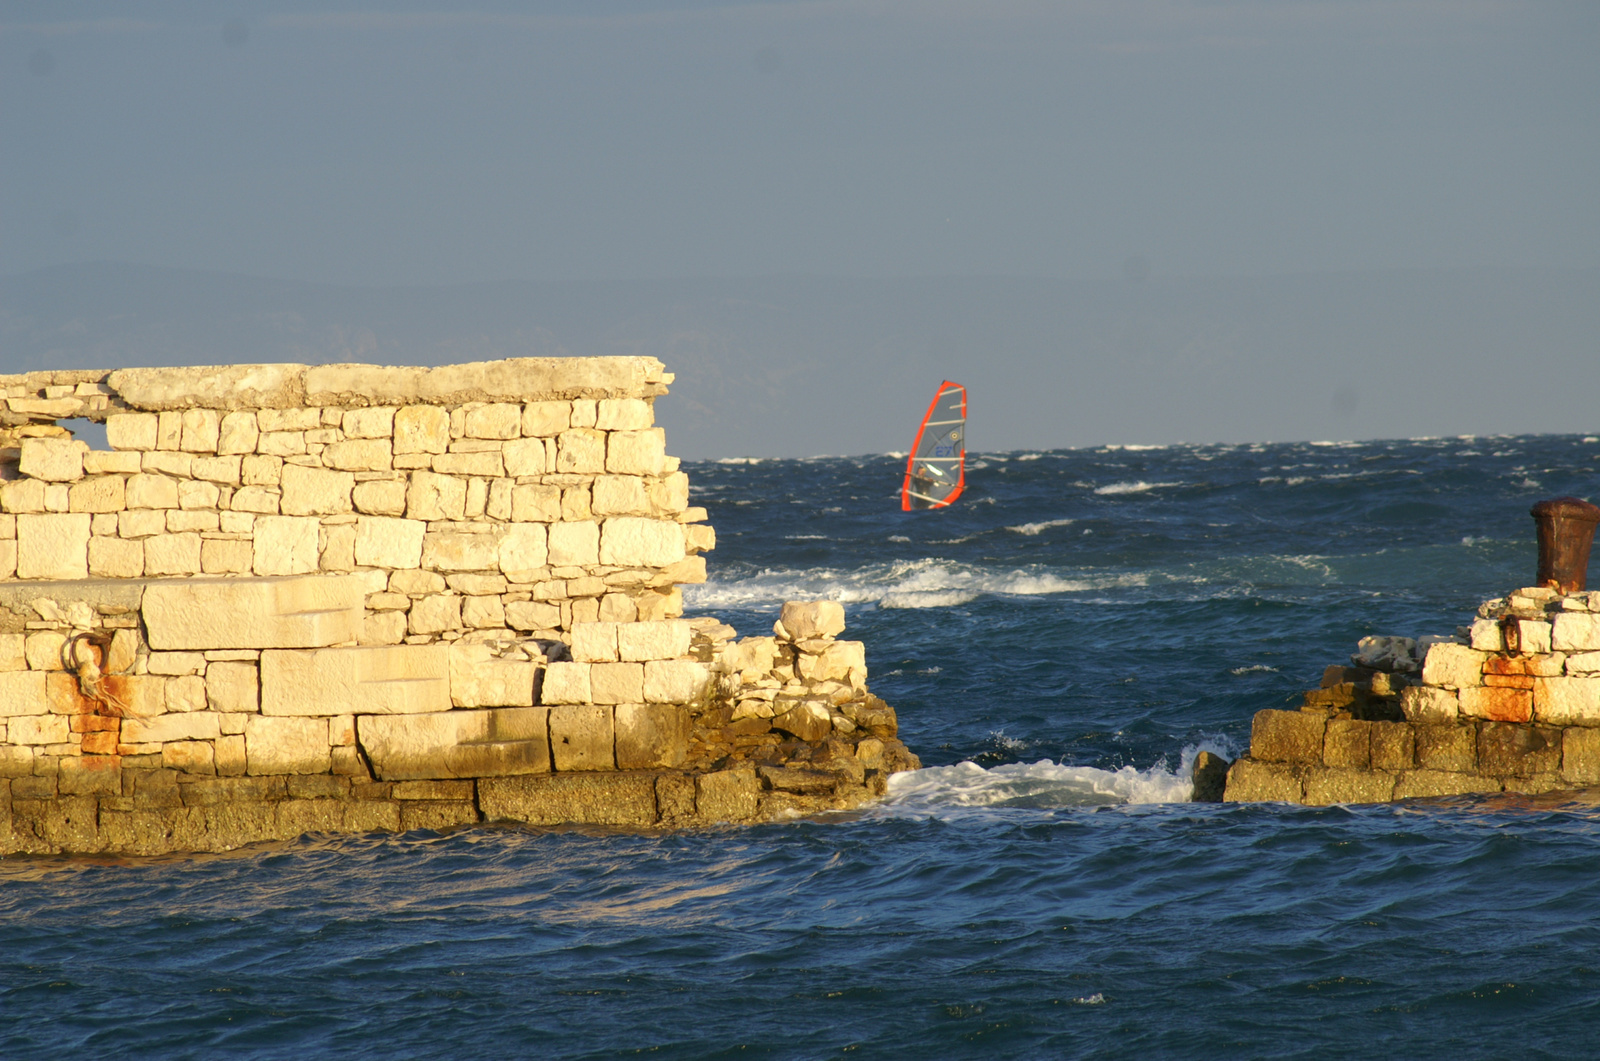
1566, 530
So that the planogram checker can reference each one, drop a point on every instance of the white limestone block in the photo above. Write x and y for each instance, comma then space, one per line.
22, 691
385, 497
456, 551
546, 419
38, 729
616, 683
631, 541
217, 469
435, 614
1567, 701
55, 460
479, 679
238, 433
189, 725
421, 429
522, 551
116, 558
150, 491
620, 495
594, 642
285, 545
53, 546
374, 680
359, 455
376, 422
662, 639
496, 420
674, 681
201, 430
315, 491
1583, 663
535, 502
636, 452
233, 687
436, 497
131, 431
581, 451
383, 541
104, 462
174, 554
1486, 636
303, 612
1453, 666
532, 615
1576, 632
286, 745
574, 544
524, 456
565, 682
624, 414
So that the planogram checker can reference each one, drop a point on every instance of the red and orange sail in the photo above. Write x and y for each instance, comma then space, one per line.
936, 470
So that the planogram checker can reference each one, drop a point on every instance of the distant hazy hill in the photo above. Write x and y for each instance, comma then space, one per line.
794, 366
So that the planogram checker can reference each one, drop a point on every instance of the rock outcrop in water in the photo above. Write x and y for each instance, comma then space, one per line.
1511, 704
350, 598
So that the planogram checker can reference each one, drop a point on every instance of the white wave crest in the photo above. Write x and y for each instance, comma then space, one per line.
1138, 487
1255, 668
925, 583
938, 790
739, 460
1032, 529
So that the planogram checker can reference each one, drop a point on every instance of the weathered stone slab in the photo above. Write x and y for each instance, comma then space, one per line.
1393, 746
53, 546
1286, 736
650, 736
727, 795
497, 742
1415, 784
1347, 743
1327, 785
1507, 750
1580, 755
224, 387
378, 679
663, 639
1253, 781
576, 799
1447, 748
289, 612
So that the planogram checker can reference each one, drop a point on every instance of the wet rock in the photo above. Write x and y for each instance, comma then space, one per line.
1210, 777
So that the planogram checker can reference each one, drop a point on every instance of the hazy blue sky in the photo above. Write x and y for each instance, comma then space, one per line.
414, 143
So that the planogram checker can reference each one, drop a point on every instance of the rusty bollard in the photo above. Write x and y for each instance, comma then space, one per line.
1566, 530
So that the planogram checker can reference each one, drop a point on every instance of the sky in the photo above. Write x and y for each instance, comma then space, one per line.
1130, 221
424, 144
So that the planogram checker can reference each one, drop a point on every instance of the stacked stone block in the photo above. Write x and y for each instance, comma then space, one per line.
430, 595
1510, 704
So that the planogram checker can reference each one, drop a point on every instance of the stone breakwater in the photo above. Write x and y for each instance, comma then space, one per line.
1511, 703
352, 598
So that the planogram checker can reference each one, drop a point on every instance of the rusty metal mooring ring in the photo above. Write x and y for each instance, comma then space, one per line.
1566, 531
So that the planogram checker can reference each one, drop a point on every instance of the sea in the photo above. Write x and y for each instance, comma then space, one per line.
1059, 645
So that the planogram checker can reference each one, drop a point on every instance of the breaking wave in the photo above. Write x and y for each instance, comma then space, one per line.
1032, 529
938, 790
1138, 487
926, 583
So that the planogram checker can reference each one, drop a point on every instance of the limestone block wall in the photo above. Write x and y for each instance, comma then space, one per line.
1511, 703
291, 597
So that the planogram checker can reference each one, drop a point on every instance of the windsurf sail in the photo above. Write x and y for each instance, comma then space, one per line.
936, 470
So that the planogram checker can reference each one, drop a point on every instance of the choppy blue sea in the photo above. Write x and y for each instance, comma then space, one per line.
1058, 646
